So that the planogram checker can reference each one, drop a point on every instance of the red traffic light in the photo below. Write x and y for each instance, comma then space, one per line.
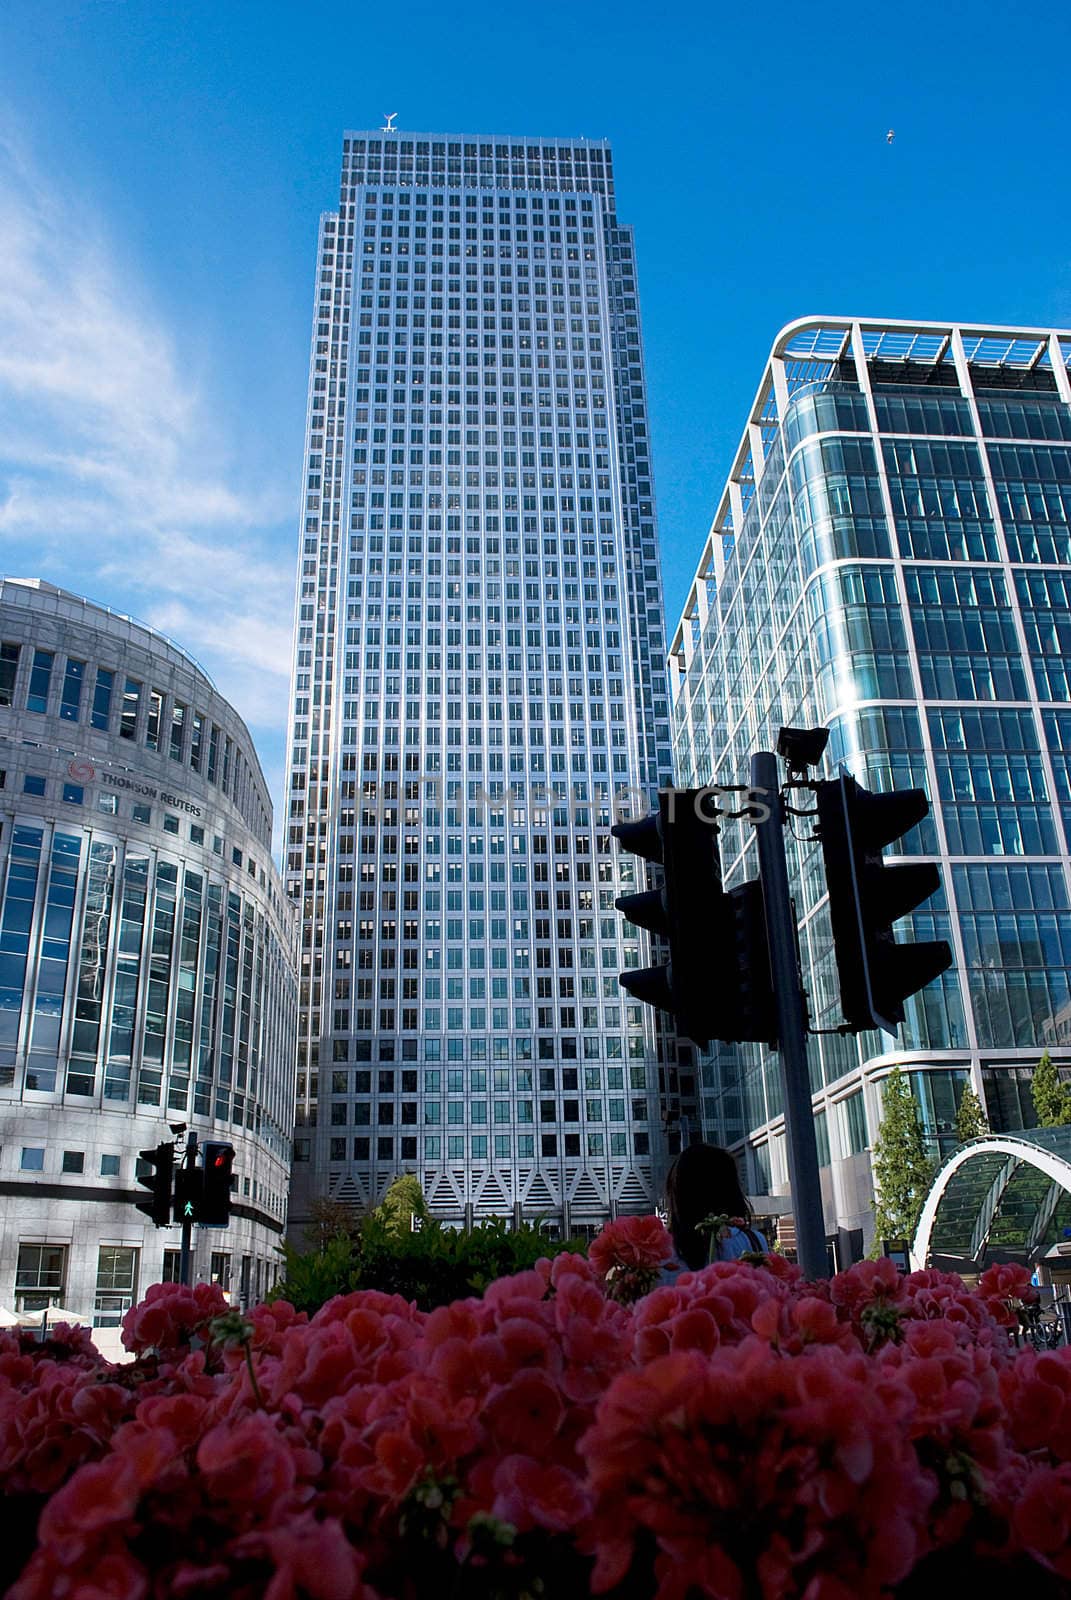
215, 1208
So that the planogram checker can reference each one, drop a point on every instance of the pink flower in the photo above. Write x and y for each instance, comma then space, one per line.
1036, 1391
1042, 1517
170, 1315
246, 1463
529, 1495
1003, 1288
306, 1558
715, 1453
631, 1242
525, 1414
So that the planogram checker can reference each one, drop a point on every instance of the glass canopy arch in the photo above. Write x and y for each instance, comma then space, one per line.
1004, 1197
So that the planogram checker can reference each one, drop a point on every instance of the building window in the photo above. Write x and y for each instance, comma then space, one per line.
141, 812
128, 719
40, 681
170, 1271
109, 1166
71, 697
73, 1161
171, 823
108, 803
33, 1158
9, 666
102, 699
178, 731
33, 783
220, 1270
40, 1276
855, 1123
154, 719
74, 794
117, 1275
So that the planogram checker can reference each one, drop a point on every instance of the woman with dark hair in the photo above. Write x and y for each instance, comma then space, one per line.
704, 1182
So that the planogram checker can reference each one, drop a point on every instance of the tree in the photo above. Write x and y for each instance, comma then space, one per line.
330, 1219
902, 1169
1051, 1096
971, 1120
403, 1201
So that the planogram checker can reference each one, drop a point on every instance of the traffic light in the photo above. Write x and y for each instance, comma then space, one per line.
157, 1180
867, 895
189, 1194
717, 980
215, 1208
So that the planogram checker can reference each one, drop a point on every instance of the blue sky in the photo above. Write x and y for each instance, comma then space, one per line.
162, 167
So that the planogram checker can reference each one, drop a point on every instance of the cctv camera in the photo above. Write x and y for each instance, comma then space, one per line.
801, 748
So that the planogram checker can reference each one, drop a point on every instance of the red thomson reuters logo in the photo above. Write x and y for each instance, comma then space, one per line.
81, 771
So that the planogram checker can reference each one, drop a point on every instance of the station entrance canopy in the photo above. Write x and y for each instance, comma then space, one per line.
1004, 1197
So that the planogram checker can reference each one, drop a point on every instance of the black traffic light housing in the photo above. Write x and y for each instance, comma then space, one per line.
867, 895
717, 980
157, 1180
189, 1193
216, 1177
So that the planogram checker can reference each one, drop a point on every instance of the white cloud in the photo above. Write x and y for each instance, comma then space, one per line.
113, 481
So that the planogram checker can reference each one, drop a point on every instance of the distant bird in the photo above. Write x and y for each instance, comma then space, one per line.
890, 136
389, 124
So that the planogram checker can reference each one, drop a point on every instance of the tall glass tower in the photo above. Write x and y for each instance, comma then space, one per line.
478, 668
891, 558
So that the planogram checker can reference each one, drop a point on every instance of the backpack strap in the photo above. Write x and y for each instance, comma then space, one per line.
755, 1243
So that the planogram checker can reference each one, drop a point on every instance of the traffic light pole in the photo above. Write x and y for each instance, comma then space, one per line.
800, 1141
187, 1224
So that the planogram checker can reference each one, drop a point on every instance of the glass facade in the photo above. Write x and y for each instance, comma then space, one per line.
890, 559
478, 669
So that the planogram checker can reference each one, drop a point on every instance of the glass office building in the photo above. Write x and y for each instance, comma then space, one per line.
891, 558
479, 667
147, 959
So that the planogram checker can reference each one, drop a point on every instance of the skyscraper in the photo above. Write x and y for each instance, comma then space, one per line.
479, 666
890, 558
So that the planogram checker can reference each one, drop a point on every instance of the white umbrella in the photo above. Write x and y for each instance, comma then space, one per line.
54, 1315
8, 1319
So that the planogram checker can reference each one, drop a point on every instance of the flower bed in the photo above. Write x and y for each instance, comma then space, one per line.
739, 1434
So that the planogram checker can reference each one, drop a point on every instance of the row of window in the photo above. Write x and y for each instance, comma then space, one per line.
478, 1147
33, 1160
472, 1079
146, 715
74, 794
74, 1161
41, 1274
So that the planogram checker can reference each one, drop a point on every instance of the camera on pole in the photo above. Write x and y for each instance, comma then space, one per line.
716, 982
867, 895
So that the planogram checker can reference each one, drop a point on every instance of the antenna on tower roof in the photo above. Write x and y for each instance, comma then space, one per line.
388, 125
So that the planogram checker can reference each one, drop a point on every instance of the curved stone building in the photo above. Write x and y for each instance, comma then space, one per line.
147, 972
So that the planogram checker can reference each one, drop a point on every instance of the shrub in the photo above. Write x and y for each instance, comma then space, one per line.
432, 1266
